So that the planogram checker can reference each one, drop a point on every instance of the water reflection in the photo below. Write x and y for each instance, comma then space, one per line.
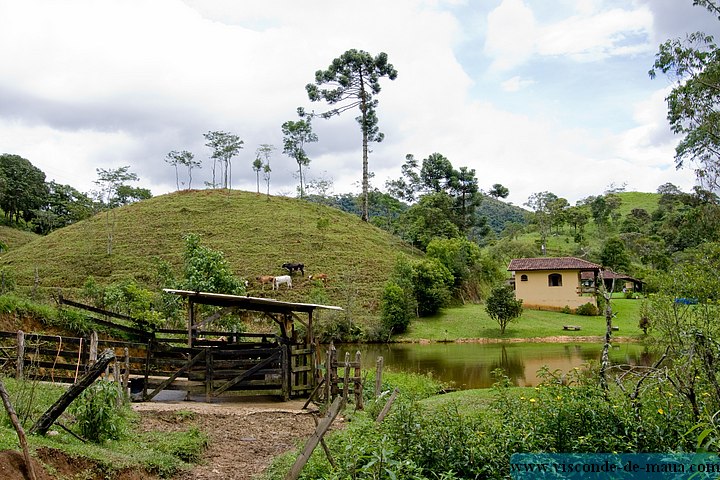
470, 365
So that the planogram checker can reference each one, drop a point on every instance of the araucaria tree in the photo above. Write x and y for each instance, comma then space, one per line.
225, 146
693, 104
295, 135
353, 79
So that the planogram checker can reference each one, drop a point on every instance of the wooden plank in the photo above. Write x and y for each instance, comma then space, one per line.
246, 374
386, 408
172, 377
314, 439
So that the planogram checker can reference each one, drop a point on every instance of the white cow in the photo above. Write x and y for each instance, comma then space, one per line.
286, 279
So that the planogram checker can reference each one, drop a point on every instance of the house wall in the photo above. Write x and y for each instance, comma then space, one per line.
535, 292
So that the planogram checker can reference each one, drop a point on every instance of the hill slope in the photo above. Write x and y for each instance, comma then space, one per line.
256, 233
14, 238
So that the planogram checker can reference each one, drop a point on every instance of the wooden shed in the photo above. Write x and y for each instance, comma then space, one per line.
283, 363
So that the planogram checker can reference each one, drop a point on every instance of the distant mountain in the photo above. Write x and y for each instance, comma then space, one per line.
499, 213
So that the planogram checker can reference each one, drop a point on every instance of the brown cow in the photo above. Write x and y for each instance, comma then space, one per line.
265, 279
320, 276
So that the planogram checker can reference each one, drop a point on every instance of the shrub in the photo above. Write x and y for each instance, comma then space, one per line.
503, 307
98, 415
431, 282
396, 313
587, 310
566, 310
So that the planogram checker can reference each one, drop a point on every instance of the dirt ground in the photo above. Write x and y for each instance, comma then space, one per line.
245, 435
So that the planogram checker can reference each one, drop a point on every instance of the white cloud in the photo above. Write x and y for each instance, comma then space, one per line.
514, 36
516, 83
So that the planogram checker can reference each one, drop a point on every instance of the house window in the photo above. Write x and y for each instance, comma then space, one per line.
554, 280
523, 278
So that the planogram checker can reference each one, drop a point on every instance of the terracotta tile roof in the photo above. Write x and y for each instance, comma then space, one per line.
551, 263
609, 275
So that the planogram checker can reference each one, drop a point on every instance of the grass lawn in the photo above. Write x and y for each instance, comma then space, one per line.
471, 321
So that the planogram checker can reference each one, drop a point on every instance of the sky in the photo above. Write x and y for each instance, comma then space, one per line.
538, 95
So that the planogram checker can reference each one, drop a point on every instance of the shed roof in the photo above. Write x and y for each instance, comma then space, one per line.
551, 263
248, 303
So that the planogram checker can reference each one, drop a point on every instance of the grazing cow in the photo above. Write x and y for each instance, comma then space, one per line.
291, 267
277, 281
319, 276
265, 279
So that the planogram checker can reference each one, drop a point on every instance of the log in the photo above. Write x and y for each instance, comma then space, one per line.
386, 408
314, 439
19, 374
51, 415
18, 429
378, 375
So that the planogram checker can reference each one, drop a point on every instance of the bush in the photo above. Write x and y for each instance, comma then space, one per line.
396, 313
98, 415
566, 310
431, 282
587, 310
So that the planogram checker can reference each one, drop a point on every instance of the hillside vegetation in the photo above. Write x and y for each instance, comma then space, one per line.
14, 238
256, 233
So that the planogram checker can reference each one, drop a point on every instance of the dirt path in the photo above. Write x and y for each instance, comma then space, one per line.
245, 434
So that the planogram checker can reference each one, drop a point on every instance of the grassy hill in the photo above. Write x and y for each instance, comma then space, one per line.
256, 233
561, 243
14, 238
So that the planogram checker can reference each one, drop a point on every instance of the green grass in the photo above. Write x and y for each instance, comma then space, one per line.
164, 453
256, 233
471, 321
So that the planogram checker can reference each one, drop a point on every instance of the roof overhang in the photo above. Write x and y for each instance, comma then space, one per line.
249, 303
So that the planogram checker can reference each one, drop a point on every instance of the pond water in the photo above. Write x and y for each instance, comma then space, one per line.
470, 365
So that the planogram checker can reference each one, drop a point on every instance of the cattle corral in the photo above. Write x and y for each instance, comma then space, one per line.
197, 360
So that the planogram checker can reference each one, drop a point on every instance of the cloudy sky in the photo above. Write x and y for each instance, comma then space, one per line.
534, 94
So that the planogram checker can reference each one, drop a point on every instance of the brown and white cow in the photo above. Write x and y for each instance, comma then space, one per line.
265, 279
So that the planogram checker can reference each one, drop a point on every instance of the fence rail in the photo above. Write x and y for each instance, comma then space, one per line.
217, 363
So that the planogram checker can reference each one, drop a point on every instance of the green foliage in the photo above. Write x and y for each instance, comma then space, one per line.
225, 146
396, 313
295, 135
587, 310
22, 188
431, 283
206, 270
503, 307
694, 62
614, 256
188, 447
100, 412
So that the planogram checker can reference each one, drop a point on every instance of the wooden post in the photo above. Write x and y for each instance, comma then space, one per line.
209, 375
378, 375
20, 367
93, 348
358, 383
148, 357
328, 377
346, 380
386, 408
314, 439
333, 371
18, 429
286, 372
126, 374
52, 414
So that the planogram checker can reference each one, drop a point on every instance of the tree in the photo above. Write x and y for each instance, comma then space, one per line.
354, 78
694, 64
498, 191
22, 188
114, 193
207, 270
540, 204
225, 146
431, 283
503, 307
186, 159
614, 256
64, 206
262, 159
464, 188
295, 135
172, 159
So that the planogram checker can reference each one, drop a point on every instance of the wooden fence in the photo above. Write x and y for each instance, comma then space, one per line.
215, 364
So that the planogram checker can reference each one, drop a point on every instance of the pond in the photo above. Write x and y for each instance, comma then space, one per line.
470, 365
